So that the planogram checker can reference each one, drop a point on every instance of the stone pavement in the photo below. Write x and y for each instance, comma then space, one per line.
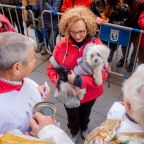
100, 108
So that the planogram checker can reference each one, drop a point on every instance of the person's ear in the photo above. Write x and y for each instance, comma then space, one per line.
17, 68
128, 107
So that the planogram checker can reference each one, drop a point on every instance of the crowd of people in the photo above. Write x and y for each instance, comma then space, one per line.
78, 25
120, 12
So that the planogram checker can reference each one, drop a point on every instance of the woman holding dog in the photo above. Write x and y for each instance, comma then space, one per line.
78, 25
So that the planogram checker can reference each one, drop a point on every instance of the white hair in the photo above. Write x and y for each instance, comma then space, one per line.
94, 50
132, 86
14, 47
132, 92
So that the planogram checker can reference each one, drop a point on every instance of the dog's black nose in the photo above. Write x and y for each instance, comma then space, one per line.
95, 60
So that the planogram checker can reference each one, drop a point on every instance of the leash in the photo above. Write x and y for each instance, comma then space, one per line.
109, 76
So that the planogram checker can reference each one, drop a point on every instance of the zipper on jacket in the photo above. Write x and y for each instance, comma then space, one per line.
79, 48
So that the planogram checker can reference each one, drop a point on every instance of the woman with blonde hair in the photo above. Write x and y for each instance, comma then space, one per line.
78, 26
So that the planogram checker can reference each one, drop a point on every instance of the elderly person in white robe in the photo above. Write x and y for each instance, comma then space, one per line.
125, 121
19, 94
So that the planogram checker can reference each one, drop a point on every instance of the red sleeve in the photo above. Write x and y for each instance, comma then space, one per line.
88, 81
141, 20
52, 74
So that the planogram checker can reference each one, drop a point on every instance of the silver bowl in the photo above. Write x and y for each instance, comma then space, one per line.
46, 108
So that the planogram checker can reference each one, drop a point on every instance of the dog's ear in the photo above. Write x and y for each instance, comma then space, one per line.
88, 57
88, 52
87, 48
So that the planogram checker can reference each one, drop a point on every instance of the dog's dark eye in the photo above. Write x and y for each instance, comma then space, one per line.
98, 54
92, 55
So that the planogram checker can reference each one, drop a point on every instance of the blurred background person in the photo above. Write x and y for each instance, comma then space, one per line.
26, 15
18, 21
67, 4
111, 11
5, 25
52, 30
115, 12
135, 9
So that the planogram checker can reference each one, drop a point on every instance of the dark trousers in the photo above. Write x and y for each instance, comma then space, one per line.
51, 37
78, 118
125, 50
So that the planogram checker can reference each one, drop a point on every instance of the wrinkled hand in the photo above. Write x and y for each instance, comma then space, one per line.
71, 76
44, 91
38, 121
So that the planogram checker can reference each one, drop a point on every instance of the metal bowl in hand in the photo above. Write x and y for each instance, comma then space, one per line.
46, 108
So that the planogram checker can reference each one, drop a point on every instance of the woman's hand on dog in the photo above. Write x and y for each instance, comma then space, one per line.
71, 76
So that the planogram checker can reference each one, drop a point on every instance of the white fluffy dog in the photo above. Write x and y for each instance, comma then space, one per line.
94, 59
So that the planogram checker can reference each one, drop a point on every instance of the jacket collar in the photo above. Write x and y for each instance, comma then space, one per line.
91, 39
79, 44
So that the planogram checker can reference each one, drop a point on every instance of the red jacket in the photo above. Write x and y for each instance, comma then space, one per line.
71, 3
141, 26
73, 53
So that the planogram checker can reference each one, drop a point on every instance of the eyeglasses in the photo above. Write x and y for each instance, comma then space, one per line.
80, 32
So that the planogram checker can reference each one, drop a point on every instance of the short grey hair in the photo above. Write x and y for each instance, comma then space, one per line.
14, 47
